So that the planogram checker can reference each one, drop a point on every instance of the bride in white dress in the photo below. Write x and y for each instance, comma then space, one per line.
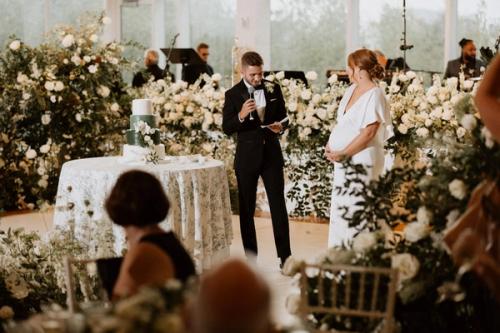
363, 125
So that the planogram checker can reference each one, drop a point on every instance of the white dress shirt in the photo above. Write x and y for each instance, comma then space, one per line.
260, 101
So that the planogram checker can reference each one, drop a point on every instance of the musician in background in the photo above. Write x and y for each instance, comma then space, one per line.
467, 61
396, 64
152, 69
191, 73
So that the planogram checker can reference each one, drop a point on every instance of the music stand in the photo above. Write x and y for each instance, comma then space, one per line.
192, 64
182, 56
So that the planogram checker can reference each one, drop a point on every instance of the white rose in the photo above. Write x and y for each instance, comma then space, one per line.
94, 38
68, 40
46, 119
423, 132
364, 241
468, 84
455, 99
103, 91
207, 147
432, 99
58, 86
280, 75
428, 122
115, 107
411, 75
394, 89
292, 303
15, 45
43, 183
333, 78
452, 83
321, 112
106, 20
461, 132
424, 216
78, 117
447, 114
406, 264
311, 76
92, 69
30, 154
403, 78
469, 122
306, 95
49, 85
53, 99
44, 149
292, 107
402, 129
6, 312
488, 138
457, 189
415, 231
76, 60
216, 77
316, 98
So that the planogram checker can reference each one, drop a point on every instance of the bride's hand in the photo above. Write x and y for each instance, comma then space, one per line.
334, 156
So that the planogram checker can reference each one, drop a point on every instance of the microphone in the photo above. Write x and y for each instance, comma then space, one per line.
251, 90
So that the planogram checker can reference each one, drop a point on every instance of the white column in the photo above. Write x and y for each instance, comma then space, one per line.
450, 31
112, 32
183, 27
352, 42
158, 28
253, 27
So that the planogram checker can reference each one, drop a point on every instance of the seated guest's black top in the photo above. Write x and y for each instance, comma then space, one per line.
168, 242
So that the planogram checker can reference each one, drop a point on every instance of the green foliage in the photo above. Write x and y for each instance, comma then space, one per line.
59, 102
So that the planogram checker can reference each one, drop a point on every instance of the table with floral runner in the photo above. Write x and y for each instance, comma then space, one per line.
200, 210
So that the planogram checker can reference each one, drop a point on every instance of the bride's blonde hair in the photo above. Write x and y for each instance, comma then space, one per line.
366, 59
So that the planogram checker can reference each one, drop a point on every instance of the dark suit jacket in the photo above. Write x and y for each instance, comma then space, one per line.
254, 144
141, 78
191, 73
453, 68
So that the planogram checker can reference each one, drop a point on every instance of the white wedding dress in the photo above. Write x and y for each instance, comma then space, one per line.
371, 107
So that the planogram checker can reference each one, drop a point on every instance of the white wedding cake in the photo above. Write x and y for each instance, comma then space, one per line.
143, 137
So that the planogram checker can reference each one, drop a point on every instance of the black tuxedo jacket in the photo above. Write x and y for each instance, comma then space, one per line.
255, 145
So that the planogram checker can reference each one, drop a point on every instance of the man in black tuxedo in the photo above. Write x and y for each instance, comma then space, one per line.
248, 106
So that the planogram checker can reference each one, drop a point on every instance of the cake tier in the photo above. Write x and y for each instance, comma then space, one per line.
149, 119
142, 107
135, 139
137, 155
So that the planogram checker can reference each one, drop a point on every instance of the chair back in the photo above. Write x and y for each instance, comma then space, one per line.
92, 274
339, 292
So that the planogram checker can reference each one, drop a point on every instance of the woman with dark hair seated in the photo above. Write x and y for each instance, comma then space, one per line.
138, 203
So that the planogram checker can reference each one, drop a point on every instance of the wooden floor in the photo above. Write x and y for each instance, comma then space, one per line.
307, 240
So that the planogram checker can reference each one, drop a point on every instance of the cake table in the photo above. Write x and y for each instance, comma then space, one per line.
200, 210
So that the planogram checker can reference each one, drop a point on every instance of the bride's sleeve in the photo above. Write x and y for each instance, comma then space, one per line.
377, 111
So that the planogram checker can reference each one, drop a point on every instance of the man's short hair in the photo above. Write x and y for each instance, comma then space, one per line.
202, 46
251, 59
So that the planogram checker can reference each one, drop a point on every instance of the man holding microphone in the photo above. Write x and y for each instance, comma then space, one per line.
256, 113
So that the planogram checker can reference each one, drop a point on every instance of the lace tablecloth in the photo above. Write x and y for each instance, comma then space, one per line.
200, 210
